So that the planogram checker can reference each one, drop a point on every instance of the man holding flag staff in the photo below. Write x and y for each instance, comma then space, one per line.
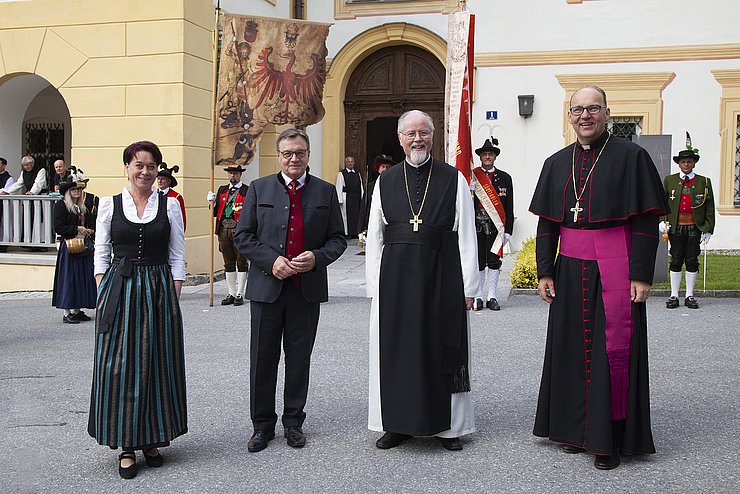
494, 220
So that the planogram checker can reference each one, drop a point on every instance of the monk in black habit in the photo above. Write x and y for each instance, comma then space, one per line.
422, 272
601, 198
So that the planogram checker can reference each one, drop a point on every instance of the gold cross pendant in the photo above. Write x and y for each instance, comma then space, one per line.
577, 209
416, 221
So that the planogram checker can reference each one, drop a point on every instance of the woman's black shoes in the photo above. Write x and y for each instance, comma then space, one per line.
153, 461
70, 319
130, 471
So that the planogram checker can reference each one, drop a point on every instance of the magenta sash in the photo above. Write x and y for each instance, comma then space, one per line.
610, 248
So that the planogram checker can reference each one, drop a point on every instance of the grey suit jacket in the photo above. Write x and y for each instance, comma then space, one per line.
262, 229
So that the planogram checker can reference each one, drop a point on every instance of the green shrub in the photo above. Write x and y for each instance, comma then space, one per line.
524, 272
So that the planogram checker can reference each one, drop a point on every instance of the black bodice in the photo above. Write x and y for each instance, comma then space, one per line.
141, 243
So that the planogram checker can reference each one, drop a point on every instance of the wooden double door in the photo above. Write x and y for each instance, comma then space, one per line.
386, 84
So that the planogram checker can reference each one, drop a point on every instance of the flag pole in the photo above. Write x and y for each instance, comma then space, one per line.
213, 151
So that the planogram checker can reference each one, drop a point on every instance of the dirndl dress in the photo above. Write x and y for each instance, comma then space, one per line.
138, 396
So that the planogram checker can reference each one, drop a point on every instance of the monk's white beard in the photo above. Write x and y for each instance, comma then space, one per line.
418, 156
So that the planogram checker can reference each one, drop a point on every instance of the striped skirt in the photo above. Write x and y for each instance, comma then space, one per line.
138, 389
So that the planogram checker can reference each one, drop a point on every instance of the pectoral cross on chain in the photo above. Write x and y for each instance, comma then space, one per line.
416, 221
577, 209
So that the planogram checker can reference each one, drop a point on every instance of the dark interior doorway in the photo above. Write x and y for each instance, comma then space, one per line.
384, 85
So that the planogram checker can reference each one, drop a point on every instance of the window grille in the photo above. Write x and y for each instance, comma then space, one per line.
736, 196
45, 142
625, 127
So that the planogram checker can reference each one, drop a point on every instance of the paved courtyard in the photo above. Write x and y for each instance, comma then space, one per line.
46, 366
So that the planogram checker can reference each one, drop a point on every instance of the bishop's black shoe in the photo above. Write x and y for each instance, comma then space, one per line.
672, 303
691, 303
451, 443
391, 440
228, 300
295, 437
259, 440
493, 304
607, 462
570, 449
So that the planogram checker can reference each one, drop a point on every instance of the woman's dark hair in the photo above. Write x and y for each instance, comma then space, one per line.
150, 147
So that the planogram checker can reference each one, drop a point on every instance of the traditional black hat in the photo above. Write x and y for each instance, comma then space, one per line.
489, 145
167, 172
382, 159
76, 178
689, 152
237, 168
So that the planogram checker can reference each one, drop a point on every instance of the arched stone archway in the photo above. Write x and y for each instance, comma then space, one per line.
385, 84
345, 63
35, 121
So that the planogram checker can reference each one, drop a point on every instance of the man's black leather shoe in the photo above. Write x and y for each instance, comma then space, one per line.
567, 448
478, 304
239, 300
672, 303
451, 443
691, 303
493, 304
391, 440
607, 462
259, 440
295, 436
228, 300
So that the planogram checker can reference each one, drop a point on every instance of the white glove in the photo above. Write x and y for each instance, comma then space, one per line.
662, 227
211, 196
506, 238
706, 237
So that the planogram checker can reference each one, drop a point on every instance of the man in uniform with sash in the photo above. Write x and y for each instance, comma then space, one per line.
421, 273
166, 183
601, 199
229, 202
494, 220
690, 222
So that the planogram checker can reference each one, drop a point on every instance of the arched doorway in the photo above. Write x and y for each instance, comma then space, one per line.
385, 84
35, 121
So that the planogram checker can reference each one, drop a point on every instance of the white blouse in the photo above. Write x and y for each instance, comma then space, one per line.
104, 247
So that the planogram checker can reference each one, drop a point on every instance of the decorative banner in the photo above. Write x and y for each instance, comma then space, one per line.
458, 94
488, 197
271, 71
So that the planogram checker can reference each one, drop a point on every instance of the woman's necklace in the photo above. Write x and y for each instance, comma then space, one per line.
577, 209
416, 221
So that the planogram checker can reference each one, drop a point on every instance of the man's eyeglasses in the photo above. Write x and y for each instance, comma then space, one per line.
422, 133
591, 109
289, 154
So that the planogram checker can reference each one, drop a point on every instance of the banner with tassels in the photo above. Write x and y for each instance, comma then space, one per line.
458, 91
271, 71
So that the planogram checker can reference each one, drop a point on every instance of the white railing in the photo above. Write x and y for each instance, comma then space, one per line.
28, 221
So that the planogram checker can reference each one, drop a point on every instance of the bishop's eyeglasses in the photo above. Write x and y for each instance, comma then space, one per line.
591, 109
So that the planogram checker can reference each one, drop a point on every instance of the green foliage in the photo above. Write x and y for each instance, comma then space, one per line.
524, 272
723, 273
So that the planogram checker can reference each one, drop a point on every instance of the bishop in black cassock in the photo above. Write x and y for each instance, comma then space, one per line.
421, 266
602, 202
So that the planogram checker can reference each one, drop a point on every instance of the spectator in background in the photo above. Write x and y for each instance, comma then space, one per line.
166, 184
60, 167
32, 180
5, 181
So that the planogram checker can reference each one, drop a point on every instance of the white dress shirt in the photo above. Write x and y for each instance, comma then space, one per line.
104, 247
39, 184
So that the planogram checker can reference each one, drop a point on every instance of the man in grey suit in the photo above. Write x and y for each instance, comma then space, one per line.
290, 229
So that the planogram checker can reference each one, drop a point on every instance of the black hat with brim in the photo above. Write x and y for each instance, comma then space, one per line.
65, 185
382, 159
237, 168
686, 153
167, 172
487, 146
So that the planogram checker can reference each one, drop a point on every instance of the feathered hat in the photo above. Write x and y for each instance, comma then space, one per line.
167, 172
489, 145
689, 152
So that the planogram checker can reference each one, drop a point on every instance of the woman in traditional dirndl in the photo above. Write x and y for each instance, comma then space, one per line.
74, 283
138, 397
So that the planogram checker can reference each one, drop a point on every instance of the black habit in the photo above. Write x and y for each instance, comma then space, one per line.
353, 197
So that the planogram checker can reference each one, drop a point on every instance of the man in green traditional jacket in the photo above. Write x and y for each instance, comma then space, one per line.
690, 222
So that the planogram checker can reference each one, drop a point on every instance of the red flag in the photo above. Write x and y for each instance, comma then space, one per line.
458, 91
464, 150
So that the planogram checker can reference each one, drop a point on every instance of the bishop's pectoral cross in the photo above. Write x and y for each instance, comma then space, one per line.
577, 209
416, 221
